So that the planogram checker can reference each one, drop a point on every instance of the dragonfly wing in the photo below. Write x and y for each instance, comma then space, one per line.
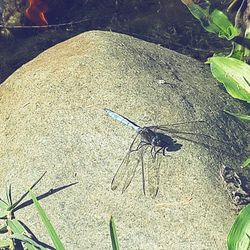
126, 170
179, 125
131, 169
197, 134
151, 167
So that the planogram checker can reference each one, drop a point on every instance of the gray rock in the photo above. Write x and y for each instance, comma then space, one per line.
52, 119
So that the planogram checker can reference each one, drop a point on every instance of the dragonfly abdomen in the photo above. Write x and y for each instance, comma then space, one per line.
123, 120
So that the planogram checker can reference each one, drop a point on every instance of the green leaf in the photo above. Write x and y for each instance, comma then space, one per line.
5, 243
113, 235
222, 25
248, 242
240, 116
234, 74
238, 236
237, 52
52, 233
216, 22
246, 163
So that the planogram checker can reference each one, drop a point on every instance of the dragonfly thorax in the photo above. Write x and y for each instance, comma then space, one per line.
150, 137
156, 141
155, 138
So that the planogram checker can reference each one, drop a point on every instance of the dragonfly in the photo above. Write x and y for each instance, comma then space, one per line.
152, 141
145, 148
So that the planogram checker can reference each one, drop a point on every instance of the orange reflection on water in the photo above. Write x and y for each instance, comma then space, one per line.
36, 10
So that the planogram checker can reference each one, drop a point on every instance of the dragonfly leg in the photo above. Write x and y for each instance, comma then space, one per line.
154, 152
142, 144
164, 151
143, 173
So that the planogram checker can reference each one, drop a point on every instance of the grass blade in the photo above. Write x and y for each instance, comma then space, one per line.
246, 163
3, 214
28, 242
15, 226
19, 234
240, 116
3, 209
8, 195
113, 235
3, 205
52, 233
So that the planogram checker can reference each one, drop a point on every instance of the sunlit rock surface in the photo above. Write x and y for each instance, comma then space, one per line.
52, 119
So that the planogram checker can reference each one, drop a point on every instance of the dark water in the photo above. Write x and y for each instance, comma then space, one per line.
165, 22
